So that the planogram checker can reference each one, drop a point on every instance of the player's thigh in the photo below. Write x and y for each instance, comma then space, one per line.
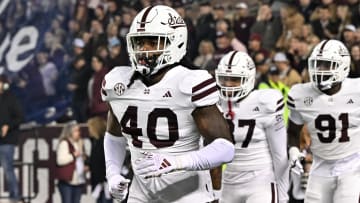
320, 189
348, 188
136, 194
232, 193
263, 193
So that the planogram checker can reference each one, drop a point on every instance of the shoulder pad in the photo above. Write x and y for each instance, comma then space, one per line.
271, 100
115, 82
201, 86
295, 93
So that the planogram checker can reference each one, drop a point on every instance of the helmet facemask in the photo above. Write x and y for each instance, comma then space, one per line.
148, 61
234, 86
324, 73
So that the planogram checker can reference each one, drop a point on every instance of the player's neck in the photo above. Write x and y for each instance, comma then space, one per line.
153, 79
332, 90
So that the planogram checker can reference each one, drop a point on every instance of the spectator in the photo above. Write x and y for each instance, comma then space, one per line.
273, 82
348, 35
71, 150
100, 15
97, 106
125, 24
306, 8
291, 21
344, 17
355, 61
97, 128
10, 119
268, 26
205, 24
112, 11
354, 6
180, 8
48, 71
288, 75
308, 35
206, 53
242, 23
255, 45
118, 53
324, 27
98, 37
219, 15
262, 68
297, 53
78, 47
79, 77
223, 45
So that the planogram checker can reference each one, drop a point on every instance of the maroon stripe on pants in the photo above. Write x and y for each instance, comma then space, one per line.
273, 196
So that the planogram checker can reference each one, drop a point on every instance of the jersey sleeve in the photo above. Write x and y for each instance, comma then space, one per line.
201, 87
115, 82
272, 101
294, 115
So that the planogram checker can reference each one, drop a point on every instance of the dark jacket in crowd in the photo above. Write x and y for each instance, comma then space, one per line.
10, 114
97, 162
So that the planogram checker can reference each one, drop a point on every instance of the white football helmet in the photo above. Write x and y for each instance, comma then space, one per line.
167, 31
235, 75
329, 63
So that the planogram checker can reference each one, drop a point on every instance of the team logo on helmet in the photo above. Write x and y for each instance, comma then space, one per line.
174, 22
119, 89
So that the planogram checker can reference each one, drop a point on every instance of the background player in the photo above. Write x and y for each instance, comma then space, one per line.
159, 107
260, 166
329, 105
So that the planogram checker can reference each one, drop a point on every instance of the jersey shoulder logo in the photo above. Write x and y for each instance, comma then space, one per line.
119, 89
308, 101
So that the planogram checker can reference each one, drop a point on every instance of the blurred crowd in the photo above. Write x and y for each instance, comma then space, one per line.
87, 38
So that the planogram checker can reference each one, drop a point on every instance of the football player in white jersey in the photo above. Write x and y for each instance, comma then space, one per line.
259, 172
330, 106
159, 107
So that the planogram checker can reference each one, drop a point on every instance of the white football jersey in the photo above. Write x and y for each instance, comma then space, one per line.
248, 121
333, 120
158, 118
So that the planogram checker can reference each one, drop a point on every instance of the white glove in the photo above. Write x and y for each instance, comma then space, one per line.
217, 194
154, 165
118, 187
296, 157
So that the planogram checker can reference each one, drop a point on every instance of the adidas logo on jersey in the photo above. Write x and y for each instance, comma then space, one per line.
256, 109
165, 163
167, 94
350, 101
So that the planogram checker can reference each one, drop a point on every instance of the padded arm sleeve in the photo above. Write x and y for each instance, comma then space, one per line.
115, 151
214, 154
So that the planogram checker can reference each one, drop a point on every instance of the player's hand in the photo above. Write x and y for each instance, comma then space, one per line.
154, 165
304, 180
118, 187
296, 159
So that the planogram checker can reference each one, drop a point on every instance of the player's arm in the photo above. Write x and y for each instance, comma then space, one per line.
277, 139
294, 131
115, 151
114, 146
221, 150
